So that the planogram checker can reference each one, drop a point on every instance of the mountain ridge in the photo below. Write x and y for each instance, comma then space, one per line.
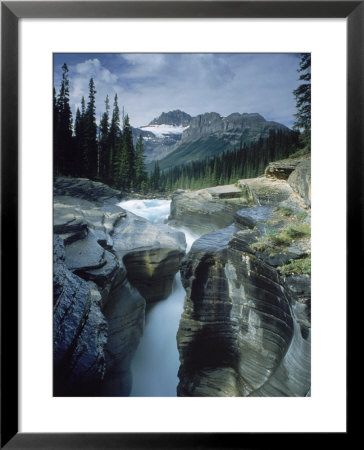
175, 137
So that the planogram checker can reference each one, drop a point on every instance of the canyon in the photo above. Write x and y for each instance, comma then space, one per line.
244, 320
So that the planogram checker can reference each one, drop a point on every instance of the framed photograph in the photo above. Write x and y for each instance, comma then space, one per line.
166, 192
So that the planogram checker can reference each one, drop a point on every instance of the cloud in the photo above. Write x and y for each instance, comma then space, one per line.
148, 84
93, 68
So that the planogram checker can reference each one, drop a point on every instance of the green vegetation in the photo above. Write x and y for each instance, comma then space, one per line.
228, 167
285, 211
246, 197
277, 240
297, 231
303, 100
302, 152
105, 153
196, 151
301, 216
296, 266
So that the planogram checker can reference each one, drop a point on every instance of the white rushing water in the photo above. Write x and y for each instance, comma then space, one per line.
156, 361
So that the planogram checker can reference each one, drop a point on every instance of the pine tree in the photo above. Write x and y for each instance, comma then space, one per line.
78, 143
114, 145
155, 178
63, 152
140, 172
91, 133
303, 99
83, 141
127, 163
104, 149
56, 148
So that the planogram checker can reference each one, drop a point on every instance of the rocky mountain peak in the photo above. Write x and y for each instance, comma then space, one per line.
175, 118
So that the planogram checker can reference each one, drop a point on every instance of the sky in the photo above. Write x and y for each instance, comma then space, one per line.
148, 84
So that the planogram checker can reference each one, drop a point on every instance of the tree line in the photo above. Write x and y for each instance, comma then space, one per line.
105, 153
247, 161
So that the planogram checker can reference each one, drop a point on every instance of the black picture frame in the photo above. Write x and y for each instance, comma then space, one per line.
11, 12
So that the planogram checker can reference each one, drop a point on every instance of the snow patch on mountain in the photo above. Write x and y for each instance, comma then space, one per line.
164, 130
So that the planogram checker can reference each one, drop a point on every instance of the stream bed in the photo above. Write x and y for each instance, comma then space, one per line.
155, 364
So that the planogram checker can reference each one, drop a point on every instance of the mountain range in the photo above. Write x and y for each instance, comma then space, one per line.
176, 138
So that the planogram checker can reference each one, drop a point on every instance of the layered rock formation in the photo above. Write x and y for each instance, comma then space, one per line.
108, 263
163, 134
245, 329
175, 137
210, 134
248, 127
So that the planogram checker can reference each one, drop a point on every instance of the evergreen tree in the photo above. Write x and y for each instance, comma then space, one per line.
303, 99
114, 145
156, 178
140, 172
78, 143
226, 168
56, 149
104, 149
127, 157
91, 133
63, 152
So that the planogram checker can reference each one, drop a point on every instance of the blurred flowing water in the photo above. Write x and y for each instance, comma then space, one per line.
156, 361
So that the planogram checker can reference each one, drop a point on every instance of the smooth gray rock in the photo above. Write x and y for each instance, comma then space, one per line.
267, 191
300, 180
125, 315
85, 254
151, 254
200, 211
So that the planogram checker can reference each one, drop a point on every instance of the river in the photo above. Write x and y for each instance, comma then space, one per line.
155, 364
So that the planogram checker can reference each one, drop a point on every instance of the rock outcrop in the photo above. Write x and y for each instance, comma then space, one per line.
300, 180
245, 329
85, 189
204, 210
79, 331
248, 127
108, 262
282, 169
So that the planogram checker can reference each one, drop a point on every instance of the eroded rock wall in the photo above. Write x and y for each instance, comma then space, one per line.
246, 325
238, 320
108, 262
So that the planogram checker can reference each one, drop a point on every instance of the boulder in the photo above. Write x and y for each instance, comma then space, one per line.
202, 211
151, 254
267, 191
300, 180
